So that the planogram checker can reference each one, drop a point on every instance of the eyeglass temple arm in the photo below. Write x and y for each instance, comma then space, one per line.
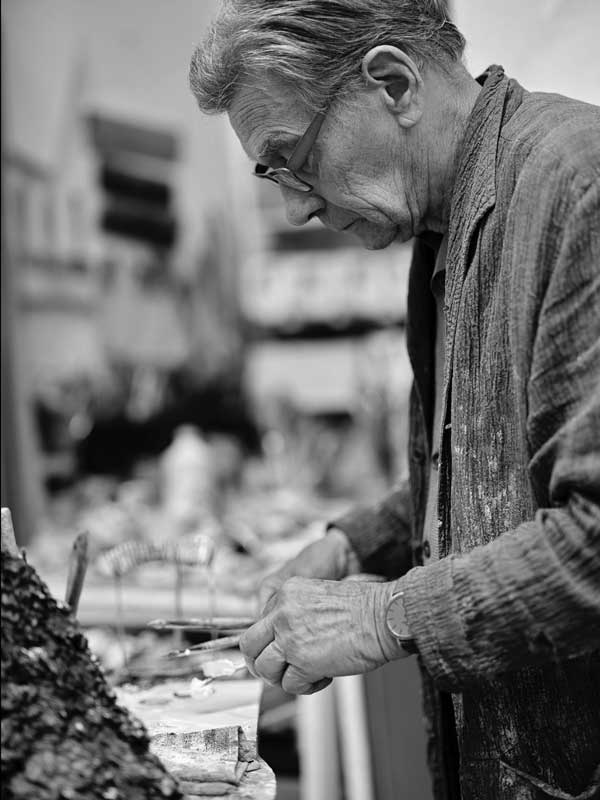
304, 146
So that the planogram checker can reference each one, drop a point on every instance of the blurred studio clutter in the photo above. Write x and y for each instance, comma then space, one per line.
191, 389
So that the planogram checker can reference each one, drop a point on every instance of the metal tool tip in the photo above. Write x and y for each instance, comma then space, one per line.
178, 653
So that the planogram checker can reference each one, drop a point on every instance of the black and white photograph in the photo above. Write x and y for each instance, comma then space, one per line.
300, 389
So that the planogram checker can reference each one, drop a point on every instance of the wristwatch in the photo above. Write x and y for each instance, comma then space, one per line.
395, 619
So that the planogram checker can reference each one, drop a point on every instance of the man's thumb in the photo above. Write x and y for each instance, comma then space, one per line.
267, 589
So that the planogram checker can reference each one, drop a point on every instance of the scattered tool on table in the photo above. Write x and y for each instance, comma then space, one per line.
78, 562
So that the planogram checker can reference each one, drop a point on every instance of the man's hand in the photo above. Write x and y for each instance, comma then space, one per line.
315, 630
330, 558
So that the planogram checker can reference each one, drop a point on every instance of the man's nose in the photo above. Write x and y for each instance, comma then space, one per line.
300, 207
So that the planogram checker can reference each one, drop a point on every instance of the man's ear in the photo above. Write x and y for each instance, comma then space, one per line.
389, 70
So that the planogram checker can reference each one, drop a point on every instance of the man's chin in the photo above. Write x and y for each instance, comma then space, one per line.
374, 237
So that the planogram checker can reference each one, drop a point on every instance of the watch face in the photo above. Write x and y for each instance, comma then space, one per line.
396, 618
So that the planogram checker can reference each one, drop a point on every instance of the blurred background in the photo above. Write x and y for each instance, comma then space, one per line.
177, 361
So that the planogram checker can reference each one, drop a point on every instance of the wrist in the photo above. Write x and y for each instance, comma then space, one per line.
396, 623
391, 647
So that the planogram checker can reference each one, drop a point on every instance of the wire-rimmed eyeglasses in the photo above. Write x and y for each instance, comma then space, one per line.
286, 176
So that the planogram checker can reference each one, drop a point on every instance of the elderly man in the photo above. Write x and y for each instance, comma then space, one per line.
365, 116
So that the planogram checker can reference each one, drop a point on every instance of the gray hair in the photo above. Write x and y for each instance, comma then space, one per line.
314, 46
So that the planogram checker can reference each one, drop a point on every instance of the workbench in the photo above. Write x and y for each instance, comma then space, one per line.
172, 708
235, 702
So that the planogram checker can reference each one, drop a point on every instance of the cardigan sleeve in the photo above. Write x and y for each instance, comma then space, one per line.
533, 594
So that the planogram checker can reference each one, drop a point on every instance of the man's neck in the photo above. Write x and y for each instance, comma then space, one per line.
450, 111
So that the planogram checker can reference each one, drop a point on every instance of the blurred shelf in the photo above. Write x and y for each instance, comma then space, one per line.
311, 331
284, 238
324, 293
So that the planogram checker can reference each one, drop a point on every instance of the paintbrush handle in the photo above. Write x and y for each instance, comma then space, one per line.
78, 561
207, 623
225, 643
198, 629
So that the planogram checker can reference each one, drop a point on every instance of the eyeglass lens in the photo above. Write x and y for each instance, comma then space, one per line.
287, 179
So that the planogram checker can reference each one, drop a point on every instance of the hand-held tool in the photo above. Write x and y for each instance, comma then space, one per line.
225, 643
210, 625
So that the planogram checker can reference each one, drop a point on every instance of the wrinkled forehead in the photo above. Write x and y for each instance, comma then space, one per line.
266, 118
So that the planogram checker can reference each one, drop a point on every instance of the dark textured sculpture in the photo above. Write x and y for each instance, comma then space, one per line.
63, 734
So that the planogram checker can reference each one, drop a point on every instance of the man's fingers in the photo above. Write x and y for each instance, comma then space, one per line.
271, 664
295, 681
250, 666
318, 685
264, 596
257, 637
267, 591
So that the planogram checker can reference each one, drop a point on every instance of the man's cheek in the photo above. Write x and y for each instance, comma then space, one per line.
338, 186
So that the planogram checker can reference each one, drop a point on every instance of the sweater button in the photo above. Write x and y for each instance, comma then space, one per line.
426, 549
418, 456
